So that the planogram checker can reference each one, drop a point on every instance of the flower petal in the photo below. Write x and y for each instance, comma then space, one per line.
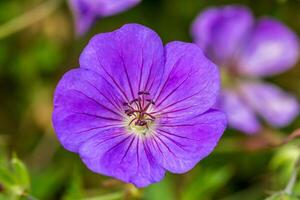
121, 155
112, 7
221, 31
273, 104
190, 84
83, 14
271, 49
179, 145
131, 57
240, 116
84, 105
86, 11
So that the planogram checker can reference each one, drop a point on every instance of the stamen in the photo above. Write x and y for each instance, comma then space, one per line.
150, 101
131, 121
139, 110
152, 117
134, 100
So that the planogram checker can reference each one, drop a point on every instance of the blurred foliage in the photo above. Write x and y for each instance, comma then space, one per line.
33, 60
14, 179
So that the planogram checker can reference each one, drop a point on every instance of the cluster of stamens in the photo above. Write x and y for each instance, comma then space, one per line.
138, 110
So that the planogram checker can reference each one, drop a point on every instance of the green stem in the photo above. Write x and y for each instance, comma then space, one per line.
113, 196
28, 18
289, 188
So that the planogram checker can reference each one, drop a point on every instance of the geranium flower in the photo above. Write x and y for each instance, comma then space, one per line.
135, 108
86, 11
248, 51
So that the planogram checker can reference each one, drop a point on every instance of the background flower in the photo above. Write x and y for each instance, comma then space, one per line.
86, 11
247, 51
135, 109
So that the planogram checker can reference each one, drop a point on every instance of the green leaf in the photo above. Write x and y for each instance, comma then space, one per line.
48, 181
20, 173
74, 190
162, 190
6, 178
207, 182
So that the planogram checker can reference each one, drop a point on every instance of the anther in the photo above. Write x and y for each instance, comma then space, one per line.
150, 101
151, 116
143, 92
134, 100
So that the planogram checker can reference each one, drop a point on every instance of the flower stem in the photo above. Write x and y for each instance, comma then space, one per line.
113, 196
28, 18
289, 187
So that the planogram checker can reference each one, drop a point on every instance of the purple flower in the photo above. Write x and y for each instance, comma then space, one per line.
135, 108
248, 51
86, 11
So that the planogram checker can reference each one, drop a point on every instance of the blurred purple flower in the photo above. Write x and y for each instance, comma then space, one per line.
135, 108
86, 11
248, 51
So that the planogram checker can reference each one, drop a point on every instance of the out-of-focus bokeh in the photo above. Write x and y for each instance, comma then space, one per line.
33, 165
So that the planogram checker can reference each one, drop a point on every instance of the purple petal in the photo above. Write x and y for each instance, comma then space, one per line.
240, 116
124, 156
84, 105
271, 49
179, 145
86, 11
221, 31
131, 57
190, 84
273, 104
112, 7
83, 14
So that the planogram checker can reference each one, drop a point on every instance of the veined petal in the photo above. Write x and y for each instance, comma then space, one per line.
121, 155
221, 31
179, 145
271, 49
239, 114
131, 57
84, 105
274, 105
190, 84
